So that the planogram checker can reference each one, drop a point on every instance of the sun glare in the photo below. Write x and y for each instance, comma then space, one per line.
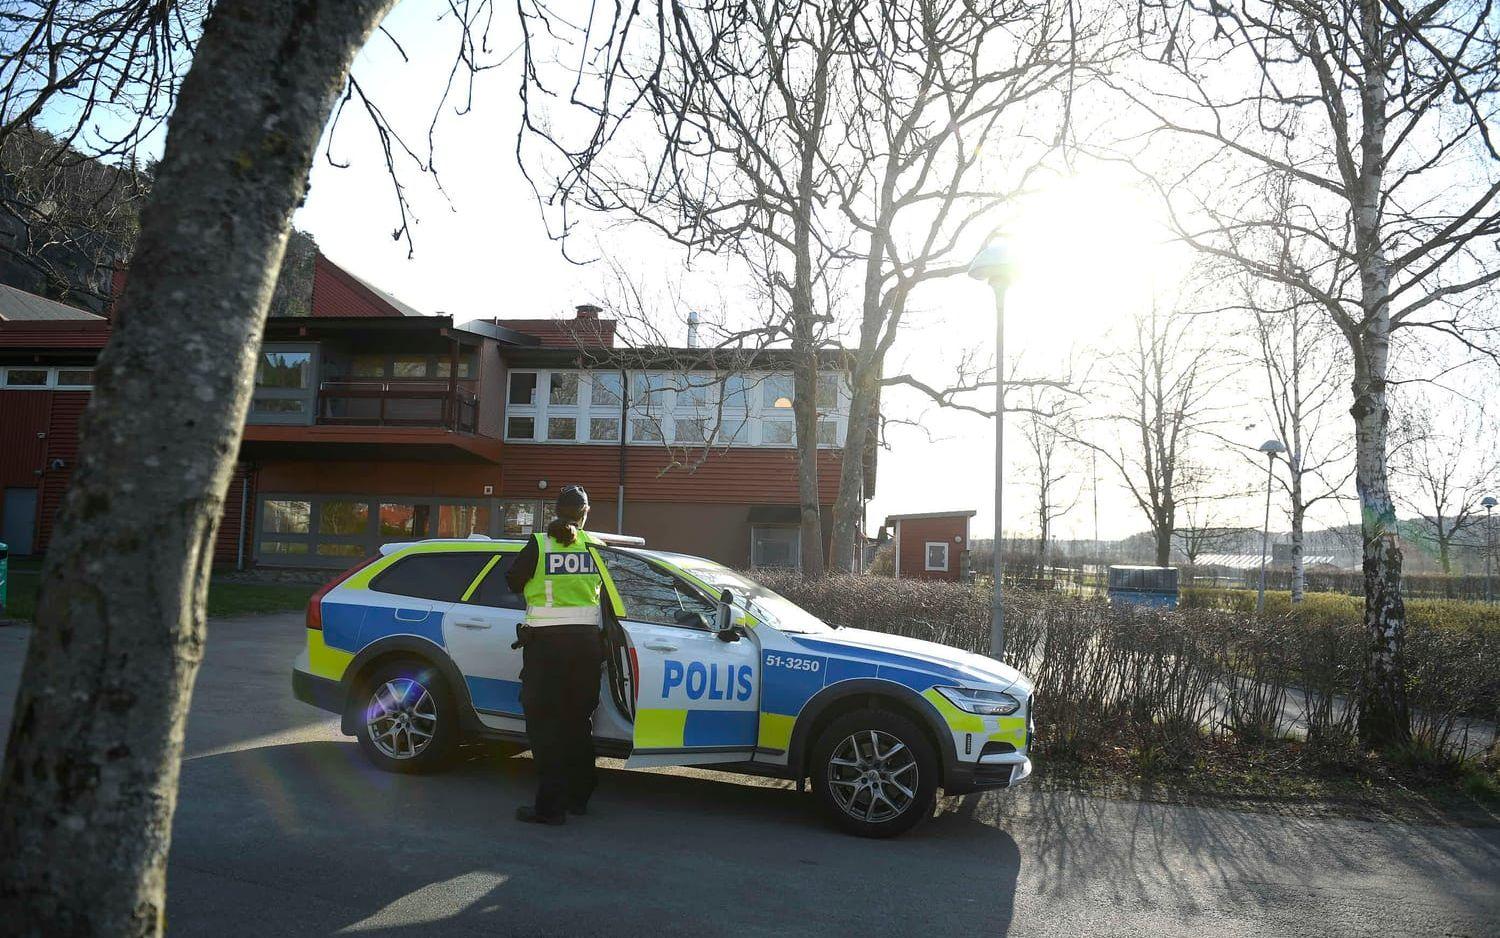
1089, 249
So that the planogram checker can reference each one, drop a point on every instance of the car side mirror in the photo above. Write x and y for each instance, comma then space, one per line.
724, 619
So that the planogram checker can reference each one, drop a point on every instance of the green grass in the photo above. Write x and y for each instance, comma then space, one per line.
1341, 608
224, 599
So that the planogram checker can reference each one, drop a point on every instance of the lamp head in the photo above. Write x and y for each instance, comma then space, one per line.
1489, 501
1272, 447
993, 263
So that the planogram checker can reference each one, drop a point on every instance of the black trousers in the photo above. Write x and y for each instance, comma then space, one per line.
559, 693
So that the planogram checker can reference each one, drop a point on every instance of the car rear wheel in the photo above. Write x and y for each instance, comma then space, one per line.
407, 721
875, 773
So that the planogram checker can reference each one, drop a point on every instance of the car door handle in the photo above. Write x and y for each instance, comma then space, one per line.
471, 623
660, 646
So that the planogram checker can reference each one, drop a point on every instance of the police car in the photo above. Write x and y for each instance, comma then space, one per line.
705, 667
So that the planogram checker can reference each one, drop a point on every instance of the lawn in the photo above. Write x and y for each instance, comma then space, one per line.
224, 599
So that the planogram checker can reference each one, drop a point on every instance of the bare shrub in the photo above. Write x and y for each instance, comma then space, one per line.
1159, 683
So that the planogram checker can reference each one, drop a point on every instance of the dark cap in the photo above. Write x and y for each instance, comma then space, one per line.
571, 499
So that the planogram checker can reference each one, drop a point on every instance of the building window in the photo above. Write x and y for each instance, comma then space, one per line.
937, 555
687, 408
562, 389
75, 377
604, 429
689, 431
523, 388
645, 430
285, 384
26, 377
775, 547
828, 390
287, 517
777, 433
334, 530
776, 392
520, 428
605, 389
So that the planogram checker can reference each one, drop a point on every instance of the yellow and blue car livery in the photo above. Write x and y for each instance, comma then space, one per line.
748, 684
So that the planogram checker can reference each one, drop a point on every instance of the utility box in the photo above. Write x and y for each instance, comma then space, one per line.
1154, 587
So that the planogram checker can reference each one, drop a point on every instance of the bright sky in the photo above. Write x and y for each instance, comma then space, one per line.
1089, 251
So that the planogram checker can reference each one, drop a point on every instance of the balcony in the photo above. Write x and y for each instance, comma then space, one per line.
397, 403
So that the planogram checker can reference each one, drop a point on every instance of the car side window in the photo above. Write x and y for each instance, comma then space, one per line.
440, 576
494, 591
651, 594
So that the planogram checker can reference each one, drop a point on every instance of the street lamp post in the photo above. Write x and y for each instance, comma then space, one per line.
993, 265
1489, 503
1270, 448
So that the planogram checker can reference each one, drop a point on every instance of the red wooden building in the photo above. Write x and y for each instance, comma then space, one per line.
931, 545
372, 422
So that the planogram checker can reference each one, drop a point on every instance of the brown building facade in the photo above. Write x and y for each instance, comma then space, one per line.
372, 423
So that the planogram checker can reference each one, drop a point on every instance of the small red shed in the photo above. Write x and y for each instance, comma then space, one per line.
931, 545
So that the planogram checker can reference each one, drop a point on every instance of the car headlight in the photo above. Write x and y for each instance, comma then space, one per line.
990, 703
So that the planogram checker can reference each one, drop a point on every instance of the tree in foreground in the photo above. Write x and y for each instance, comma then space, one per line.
1381, 117
91, 764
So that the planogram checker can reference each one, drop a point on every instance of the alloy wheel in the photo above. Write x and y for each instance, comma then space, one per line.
401, 718
872, 776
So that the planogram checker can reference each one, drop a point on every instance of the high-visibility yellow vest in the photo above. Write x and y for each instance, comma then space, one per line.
564, 589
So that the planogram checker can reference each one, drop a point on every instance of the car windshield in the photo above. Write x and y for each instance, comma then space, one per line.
765, 604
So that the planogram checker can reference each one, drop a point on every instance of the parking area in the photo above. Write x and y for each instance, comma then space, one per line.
282, 828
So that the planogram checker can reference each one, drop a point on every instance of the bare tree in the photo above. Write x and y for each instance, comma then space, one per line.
1156, 395
1304, 379
1380, 117
1445, 469
1049, 472
858, 141
1202, 531
91, 763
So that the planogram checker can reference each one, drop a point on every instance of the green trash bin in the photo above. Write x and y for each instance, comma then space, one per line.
4, 573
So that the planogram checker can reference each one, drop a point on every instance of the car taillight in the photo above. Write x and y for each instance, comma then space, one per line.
315, 604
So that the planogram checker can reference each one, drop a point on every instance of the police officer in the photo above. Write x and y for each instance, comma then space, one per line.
561, 654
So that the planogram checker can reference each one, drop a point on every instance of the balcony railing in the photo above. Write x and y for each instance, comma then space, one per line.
397, 404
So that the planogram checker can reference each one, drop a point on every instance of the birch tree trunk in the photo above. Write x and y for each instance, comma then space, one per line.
1299, 569
90, 779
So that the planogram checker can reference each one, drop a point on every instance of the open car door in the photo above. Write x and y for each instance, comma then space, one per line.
694, 698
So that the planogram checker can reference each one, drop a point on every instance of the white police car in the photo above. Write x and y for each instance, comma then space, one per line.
413, 650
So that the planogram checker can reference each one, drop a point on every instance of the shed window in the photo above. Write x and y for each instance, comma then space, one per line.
937, 555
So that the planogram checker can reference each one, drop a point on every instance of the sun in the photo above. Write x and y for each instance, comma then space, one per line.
1090, 249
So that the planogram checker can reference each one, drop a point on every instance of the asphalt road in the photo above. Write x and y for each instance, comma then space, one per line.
283, 829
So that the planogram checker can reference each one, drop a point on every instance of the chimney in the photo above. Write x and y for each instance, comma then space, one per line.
692, 329
588, 311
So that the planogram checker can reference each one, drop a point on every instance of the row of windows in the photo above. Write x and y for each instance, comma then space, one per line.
34, 377
324, 530
681, 408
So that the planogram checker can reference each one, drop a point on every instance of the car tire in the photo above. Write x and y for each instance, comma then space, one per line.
863, 767
405, 718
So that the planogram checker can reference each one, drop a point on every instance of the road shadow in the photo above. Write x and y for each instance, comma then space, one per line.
313, 827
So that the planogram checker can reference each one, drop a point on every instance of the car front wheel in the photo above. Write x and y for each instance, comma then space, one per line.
875, 773
407, 721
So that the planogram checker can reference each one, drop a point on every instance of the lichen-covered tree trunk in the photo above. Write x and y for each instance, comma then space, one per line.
91, 765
